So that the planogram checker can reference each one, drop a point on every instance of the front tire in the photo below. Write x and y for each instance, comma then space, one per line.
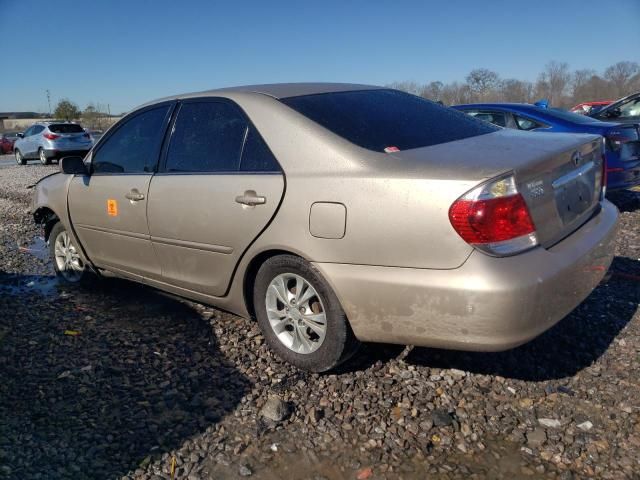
42, 155
67, 262
300, 315
20, 160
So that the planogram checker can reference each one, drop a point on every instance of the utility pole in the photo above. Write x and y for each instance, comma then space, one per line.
49, 101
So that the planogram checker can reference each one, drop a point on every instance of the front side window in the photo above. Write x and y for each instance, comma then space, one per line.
382, 118
134, 146
28, 132
207, 137
630, 109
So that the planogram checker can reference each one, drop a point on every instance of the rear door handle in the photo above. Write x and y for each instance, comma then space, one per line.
134, 195
251, 198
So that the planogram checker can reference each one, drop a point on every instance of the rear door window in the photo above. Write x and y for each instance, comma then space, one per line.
36, 129
382, 118
207, 137
135, 146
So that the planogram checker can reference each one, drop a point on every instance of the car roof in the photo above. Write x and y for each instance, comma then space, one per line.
498, 105
275, 90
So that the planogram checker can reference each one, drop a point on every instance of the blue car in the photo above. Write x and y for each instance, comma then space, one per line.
621, 141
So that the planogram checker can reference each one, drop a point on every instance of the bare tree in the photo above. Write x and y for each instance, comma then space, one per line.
553, 82
620, 74
433, 91
482, 82
407, 86
514, 90
557, 83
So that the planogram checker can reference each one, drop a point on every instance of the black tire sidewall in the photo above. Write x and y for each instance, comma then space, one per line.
339, 339
22, 160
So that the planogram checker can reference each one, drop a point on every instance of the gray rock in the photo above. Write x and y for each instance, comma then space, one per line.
549, 422
245, 471
441, 418
536, 438
275, 409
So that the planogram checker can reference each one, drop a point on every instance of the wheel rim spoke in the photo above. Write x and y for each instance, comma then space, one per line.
67, 259
296, 324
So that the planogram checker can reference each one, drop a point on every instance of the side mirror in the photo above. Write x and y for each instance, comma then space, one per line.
21, 135
73, 166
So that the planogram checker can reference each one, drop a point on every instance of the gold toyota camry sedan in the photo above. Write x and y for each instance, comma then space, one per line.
335, 214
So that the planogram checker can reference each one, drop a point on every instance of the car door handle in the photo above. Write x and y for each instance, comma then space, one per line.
134, 195
251, 198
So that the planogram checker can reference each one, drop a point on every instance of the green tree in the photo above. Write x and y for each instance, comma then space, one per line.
66, 110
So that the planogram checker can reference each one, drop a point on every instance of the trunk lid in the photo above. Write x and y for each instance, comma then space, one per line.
563, 190
558, 174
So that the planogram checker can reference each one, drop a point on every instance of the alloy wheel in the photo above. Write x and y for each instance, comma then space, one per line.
296, 313
67, 259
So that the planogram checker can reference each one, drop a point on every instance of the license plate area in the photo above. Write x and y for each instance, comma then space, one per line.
575, 193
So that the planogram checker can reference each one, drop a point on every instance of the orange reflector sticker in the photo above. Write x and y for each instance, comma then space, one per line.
112, 208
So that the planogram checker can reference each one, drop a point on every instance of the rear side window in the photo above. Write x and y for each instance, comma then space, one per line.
207, 137
256, 156
526, 123
378, 119
134, 146
66, 128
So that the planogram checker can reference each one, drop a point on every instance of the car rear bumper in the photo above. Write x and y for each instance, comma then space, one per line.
57, 153
487, 304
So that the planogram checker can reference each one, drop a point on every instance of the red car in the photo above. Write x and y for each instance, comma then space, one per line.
585, 108
6, 142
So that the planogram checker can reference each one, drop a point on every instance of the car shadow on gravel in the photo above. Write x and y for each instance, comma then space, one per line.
97, 384
625, 200
570, 346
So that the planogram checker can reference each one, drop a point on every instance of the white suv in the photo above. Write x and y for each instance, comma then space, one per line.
51, 140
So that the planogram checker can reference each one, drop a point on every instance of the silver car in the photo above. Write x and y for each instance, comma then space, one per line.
334, 214
48, 141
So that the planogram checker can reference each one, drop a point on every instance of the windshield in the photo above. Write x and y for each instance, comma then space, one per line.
387, 120
66, 128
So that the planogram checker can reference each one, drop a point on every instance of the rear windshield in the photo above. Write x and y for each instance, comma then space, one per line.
568, 116
383, 119
66, 128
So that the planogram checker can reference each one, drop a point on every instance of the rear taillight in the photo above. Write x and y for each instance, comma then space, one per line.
615, 139
603, 170
494, 218
50, 136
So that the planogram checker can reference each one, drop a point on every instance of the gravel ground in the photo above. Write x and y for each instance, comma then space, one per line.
152, 382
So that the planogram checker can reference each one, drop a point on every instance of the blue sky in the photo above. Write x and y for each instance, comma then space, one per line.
126, 52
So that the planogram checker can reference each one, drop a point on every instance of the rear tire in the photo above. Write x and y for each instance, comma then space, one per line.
42, 155
308, 329
20, 160
67, 263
